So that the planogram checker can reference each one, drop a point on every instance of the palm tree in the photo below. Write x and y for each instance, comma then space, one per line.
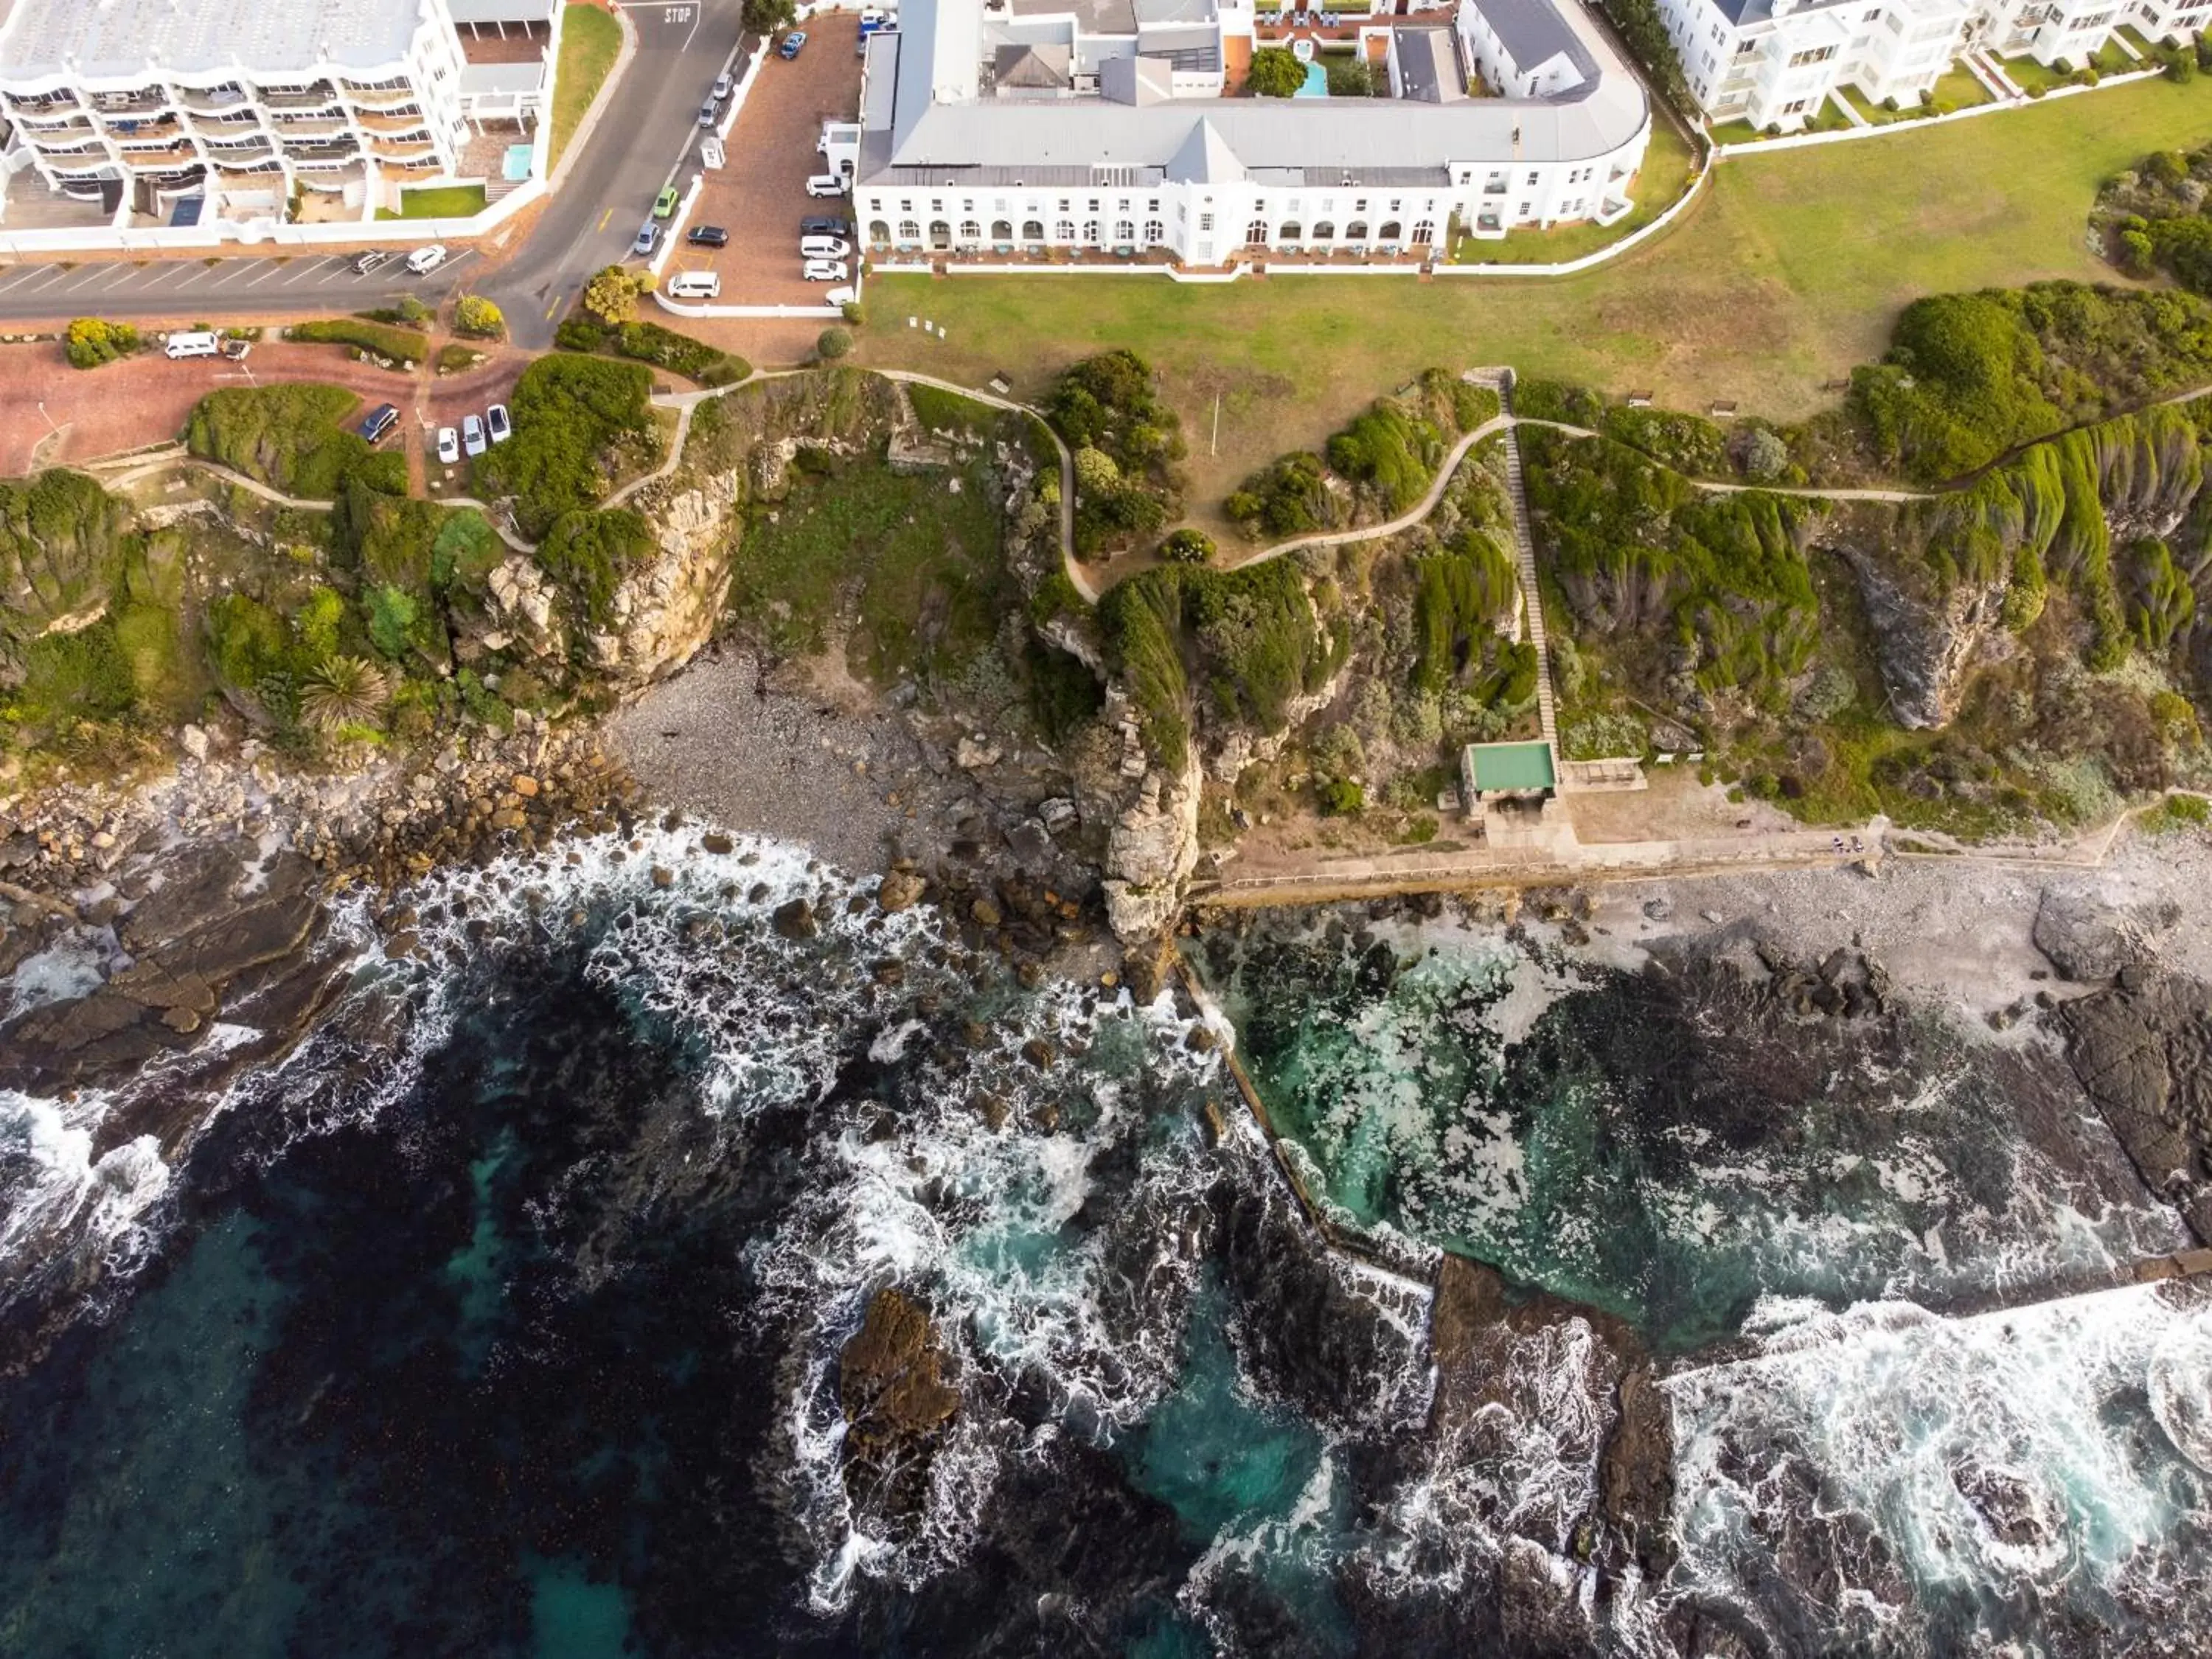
343, 691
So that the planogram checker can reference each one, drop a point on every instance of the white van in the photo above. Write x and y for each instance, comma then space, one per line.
193, 345
823, 247
694, 285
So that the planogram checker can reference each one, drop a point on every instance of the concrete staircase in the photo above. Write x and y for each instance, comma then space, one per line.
1524, 555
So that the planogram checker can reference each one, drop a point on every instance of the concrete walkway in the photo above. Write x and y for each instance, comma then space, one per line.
1524, 563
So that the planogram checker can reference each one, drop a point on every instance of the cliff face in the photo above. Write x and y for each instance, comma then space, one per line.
1927, 643
666, 608
1151, 851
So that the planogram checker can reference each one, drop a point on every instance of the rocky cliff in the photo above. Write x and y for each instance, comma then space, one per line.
1927, 641
665, 609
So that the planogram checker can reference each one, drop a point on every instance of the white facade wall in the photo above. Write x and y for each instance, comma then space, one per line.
259, 136
2052, 30
1211, 224
1498, 69
2179, 21
1779, 70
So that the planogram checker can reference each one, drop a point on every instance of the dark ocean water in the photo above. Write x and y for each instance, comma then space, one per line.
505, 1318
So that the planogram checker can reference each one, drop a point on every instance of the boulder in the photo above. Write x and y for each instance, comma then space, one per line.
2089, 938
795, 920
896, 1403
901, 890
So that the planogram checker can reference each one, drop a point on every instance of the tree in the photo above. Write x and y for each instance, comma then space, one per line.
1351, 78
612, 296
343, 691
478, 318
767, 17
92, 342
832, 343
1276, 72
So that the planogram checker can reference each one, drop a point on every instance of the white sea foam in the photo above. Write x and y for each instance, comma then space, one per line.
56, 1195
2002, 1460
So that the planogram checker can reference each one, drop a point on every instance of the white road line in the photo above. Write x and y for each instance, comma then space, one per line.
21, 273
304, 272
47, 275
274, 270
130, 276
87, 274
194, 274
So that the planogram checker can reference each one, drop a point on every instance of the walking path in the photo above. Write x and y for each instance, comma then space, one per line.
1525, 562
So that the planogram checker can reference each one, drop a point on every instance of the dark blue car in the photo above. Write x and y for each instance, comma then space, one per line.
792, 43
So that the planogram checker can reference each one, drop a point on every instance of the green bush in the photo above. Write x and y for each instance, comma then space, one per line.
1342, 798
479, 319
1108, 405
1643, 28
1289, 497
404, 346
571, 415
92, 341
1390, 450
1187, 546
1349, 78
1461, 594
649, 343
832, 344
588, 553
288, 437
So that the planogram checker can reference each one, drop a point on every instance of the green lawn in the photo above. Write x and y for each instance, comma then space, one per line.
590, 41
1960, 90
447, 202
1667, 160
1786, 273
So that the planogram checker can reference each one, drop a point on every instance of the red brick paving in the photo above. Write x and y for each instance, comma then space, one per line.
145, 399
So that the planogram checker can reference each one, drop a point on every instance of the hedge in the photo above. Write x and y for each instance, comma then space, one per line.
401, 345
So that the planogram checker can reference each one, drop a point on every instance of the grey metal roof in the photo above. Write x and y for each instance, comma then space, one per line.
1744, 13
1535, 33
114, 39
1092, 16
1429, 67
1318, 139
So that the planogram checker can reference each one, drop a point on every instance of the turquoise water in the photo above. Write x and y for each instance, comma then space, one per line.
1317, 84
574, 1618
1248, 1483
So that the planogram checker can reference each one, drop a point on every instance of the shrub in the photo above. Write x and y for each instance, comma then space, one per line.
1389, 449
1187, 546
854, 313
287, 437
611, 296
1342, 798
1350, 77
571, 413
1643, 28
589, 552
1288, 498
404, 346
92, 341
832, 344
479, 319
1275, 72
1106, 404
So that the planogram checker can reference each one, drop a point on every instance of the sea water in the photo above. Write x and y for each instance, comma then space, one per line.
504, 1317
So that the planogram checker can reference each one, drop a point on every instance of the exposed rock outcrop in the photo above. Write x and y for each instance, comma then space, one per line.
664, 609
896, 1403
2089, 939
2143, 1051
1927, 643
1151, 852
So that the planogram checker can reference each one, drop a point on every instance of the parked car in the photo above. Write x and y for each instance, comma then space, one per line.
842, 296
664, 204
708, 111
826, 184
379, 421
237, 351
707, 236
826, 271
647, 239
423, 260
823, 247
195, 343
472, 435
826, 225
792, 44
365, 263
449, 446
723, 88
497, 424
694, 285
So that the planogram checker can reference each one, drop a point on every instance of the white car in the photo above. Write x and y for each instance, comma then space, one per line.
723, 88
449, 446
842, 296
823, 247
424, 260
826, 184
472, 435
826, 271
497, 424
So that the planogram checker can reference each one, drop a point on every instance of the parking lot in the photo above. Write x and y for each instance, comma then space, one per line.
183, 290
761, 196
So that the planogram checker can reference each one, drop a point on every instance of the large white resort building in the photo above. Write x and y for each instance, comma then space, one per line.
177, 110
1775, 63
1069, 127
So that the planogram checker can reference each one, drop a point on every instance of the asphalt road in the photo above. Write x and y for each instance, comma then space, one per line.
645, 134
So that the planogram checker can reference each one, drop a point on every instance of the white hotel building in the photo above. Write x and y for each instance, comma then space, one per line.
1774, 63
1024, 126
144, 106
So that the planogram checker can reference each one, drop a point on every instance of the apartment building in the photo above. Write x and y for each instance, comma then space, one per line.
1106, 126
145, 104
1775, 63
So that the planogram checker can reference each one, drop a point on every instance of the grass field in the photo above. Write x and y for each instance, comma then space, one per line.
447, 202
591, 39
1788, 271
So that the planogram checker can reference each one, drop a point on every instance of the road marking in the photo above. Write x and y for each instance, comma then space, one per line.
21, 273
309, 271
604, 217
196, 273
47, 274
273, 268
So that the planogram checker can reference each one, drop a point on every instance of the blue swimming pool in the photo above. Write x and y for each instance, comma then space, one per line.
1317, 84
